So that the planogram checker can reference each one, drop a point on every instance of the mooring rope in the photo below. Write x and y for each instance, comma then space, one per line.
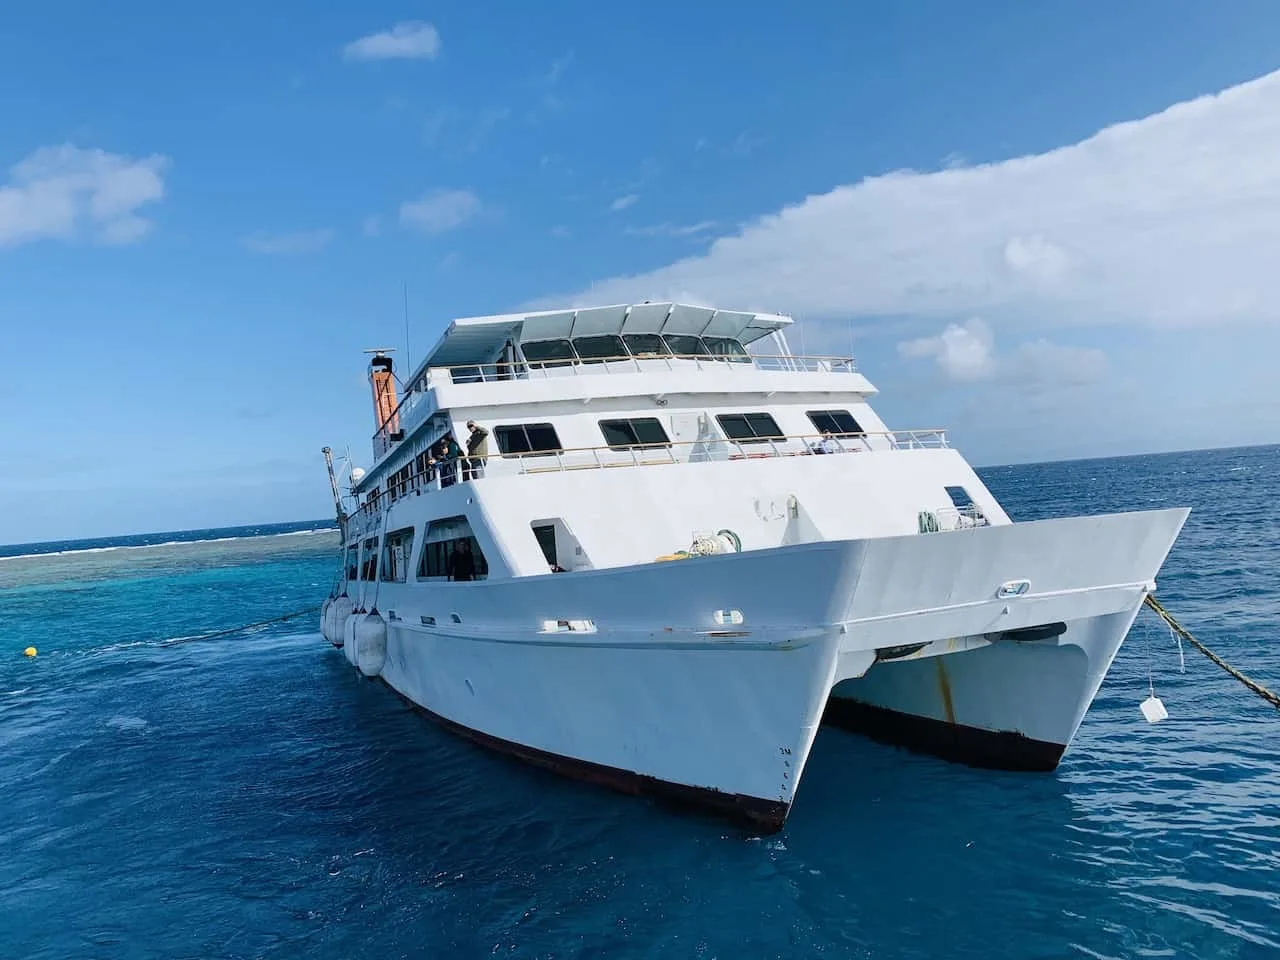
242, 627
1182, 631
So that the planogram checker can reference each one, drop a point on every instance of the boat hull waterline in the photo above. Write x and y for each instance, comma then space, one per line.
984, 646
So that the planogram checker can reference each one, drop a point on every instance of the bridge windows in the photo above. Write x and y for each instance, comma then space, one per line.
684, 345
629, 434
642, 345
838, 423
603, 347
599, 349
520, 438
749, 427
548, 353
727, 348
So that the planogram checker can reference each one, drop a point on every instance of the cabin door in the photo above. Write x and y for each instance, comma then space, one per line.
692, 436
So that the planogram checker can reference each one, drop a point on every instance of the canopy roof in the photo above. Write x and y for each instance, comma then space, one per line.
477, 340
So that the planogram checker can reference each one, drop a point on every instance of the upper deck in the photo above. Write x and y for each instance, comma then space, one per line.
643, 349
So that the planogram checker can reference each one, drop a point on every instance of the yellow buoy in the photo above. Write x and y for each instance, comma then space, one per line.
29, 652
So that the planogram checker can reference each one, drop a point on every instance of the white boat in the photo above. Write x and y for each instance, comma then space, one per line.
690, 547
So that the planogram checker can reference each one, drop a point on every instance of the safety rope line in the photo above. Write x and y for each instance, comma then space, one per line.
1182, 631
243, 627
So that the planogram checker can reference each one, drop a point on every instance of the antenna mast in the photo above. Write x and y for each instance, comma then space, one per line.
408, 358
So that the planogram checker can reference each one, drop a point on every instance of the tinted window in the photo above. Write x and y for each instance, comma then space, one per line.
542, 351
749, 427
440, 559
520, 438
645, 345
643, 431
837, 422
353, 562
599, 348
726, 348
369, 568
683, 345
395, 555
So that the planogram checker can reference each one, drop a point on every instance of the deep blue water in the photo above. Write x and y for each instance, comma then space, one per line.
251, 796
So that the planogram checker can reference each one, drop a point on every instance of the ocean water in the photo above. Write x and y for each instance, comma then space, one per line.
251, 796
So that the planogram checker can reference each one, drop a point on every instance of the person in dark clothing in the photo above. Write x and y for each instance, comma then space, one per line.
462, 564
447, 454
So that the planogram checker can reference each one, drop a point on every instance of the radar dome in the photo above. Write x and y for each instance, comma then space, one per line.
357, 474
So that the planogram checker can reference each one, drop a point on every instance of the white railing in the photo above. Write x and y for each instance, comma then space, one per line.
416, 405
462, 470
550, 369
958, 518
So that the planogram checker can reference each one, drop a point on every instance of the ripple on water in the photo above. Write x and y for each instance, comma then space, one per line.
252, 797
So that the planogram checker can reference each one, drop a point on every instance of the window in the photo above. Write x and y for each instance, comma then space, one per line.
646, 345
749, 427
726, 348
545, 534
369, 568
395, 555
398, 482
548, 352
683, 345
597, 349
517, 438
836, 422
641, 432
353, 562
970, 513
451, 552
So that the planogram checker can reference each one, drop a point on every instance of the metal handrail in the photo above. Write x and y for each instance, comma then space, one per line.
716, 449
579, 366
536, 369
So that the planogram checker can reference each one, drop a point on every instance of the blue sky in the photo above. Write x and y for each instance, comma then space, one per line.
205, 214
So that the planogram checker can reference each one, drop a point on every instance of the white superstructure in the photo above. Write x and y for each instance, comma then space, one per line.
689, 547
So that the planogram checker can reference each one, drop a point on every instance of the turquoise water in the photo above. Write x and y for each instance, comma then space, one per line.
251, 796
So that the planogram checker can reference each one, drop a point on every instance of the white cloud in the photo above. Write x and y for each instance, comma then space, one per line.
298, 241
439, 210
672, 229
967, 353
68, 193
623, 202
963, 352
1173, 219
410, 40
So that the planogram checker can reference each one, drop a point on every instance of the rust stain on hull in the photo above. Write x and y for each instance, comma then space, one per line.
944, 688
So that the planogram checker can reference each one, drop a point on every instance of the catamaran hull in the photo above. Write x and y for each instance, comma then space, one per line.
707, 679
1010, 705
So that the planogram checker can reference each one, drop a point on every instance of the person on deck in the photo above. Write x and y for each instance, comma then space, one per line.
477, 451
462, 564
447, 453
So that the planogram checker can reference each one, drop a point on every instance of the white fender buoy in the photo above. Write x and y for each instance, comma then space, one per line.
338, 614
324, 617
371, 643
349, 637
